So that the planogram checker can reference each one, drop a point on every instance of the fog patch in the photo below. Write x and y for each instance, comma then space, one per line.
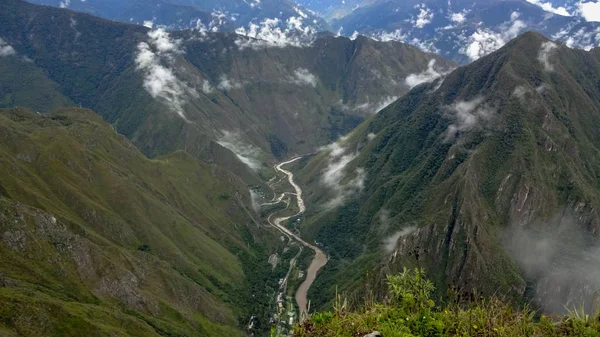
428, 75
468, 116
6, 49
544, 55
334, 177
255, 199
372, 108
389, 243
561, 258
155, 59
302, 77
246, 153
227, 84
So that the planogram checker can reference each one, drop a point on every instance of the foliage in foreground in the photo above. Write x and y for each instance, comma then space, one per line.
410, 312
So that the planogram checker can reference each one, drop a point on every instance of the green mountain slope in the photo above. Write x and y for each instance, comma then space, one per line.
96, 239
489, 180
182, 90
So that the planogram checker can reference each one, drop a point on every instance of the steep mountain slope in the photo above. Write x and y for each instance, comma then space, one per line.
489, 180
96, 239
464, 31
183, 14
186, 90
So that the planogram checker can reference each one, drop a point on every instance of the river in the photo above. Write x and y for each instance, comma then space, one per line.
320, 258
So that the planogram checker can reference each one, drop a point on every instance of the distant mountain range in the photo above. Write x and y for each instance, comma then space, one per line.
461, 31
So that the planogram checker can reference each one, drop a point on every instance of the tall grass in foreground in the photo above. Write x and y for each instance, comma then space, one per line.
411, 312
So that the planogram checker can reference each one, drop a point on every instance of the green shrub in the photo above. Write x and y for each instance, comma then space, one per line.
410, 311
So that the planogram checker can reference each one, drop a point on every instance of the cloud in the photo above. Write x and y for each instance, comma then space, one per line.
372, 108
520, 92
64, 3
423, 18
385, 36
467, 116
153, 59
544, 55
206, 87
227, 84
255, 199
459, 17
6, 49
548, 7
428, 75
561, 260
590, 11
371, 136
334, 175
246, 153
303, 77
390, 242
485, 41
274, 33
582, 38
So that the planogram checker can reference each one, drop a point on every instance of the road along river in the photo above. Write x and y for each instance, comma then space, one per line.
320, 258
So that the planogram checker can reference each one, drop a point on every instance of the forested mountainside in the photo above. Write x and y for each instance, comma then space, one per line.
487, 179
97, 239
184, 90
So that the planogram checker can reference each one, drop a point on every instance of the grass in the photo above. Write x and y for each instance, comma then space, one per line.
409, 311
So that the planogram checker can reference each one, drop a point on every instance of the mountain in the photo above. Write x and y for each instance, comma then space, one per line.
488, 179
97, 239
194, 90
184, 14
464, 31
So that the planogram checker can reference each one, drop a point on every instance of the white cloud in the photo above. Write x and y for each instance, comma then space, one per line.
544, 54
335, 173
246, 153
520, 92
64, 3
423, 18
582, 38
485, 41
148, 23
428, 75
390, 242
303, 77
384, 36
206, 87
459, 17
227, 84
548, 7
255, 200
6, 49
374, 107
590, 11
160, 81
468, 116
274, 33
371, 136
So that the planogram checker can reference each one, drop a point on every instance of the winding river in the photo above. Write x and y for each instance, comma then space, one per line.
320, 258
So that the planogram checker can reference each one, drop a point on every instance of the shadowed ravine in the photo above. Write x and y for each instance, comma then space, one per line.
320, 258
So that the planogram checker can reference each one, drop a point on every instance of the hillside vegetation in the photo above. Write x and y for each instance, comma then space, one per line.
410, 311
97, 239
487, 180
